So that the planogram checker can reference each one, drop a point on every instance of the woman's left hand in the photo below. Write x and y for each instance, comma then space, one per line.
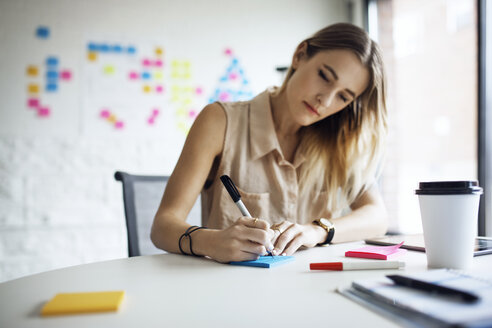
289, 237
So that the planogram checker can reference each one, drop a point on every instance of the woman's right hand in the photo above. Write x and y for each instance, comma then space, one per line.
247, 239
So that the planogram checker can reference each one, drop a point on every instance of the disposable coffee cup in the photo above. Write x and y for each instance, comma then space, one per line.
449, 212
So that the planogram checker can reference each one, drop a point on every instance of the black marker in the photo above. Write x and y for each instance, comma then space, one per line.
236, 197
433, 288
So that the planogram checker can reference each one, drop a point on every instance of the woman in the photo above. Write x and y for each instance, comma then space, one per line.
304, 157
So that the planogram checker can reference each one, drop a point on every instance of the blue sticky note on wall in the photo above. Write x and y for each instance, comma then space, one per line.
43, 32
265, 261
51, 87
51, 61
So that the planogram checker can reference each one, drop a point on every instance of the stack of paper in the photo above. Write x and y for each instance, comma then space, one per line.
419, 308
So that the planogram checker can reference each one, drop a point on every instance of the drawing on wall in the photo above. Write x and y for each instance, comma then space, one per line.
136, 80
132, 86
233, 84
153, 116
44, 79
112, 119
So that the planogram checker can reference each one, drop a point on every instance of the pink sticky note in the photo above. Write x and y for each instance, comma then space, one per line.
146, 62
105, 113
228, 51
377, 252
199, 91
33, 102
224, 96
66, 75
151, 120
119, 125
192, 114
44, 112
159, 89
158, 63
133, 75
155, 112
233, 76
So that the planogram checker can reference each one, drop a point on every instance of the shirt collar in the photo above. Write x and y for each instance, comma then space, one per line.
263, 138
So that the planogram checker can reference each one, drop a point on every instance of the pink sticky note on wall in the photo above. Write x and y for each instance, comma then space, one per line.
44, 112
377, 252
33, 102
66, 75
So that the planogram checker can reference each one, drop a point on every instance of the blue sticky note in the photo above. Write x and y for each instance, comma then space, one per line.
52, 75
43, 32
51, 61
104, 47
145, 75
93, 47
265, 261
117, 48
131, 50
51, 87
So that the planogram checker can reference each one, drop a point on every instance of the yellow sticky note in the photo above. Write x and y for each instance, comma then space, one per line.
32, 70
158, 51
92, 56
73, 303
147, 89
109, 69
33, 88
112, 118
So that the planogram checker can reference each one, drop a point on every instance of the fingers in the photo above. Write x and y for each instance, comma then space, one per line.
293, 246
257, 232
255, 223
286, 242
254, 248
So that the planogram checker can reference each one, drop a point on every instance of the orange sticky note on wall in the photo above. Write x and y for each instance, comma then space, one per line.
76, 303
32, 70
33, 88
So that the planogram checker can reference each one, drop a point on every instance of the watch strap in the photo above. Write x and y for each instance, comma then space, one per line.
329, 229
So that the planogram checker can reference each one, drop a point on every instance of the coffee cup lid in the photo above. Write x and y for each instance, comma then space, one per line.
449, 188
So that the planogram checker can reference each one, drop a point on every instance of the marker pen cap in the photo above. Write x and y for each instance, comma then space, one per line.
337, 266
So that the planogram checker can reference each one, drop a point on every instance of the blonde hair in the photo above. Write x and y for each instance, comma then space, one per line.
346, 148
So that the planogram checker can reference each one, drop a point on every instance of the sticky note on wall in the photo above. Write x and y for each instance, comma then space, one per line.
32, 70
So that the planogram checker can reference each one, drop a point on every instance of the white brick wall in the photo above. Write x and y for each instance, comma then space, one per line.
59, 202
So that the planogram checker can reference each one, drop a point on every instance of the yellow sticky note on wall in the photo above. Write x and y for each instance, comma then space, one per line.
74, 303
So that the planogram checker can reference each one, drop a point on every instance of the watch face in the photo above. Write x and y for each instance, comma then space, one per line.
326, 222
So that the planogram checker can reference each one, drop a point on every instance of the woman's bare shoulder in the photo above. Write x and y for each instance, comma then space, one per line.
209, 128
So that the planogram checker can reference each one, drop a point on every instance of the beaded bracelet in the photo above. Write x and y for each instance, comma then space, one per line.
187, 234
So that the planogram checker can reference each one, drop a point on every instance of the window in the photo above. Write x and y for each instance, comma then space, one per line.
430, 49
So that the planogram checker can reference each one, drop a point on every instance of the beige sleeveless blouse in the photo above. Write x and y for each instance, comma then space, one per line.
267, 182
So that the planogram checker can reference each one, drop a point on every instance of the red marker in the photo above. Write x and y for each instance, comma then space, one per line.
366, 265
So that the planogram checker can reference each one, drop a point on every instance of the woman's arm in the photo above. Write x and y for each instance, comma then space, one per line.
367, 219
243, 241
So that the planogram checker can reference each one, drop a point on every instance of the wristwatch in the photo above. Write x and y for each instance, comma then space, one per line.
328, 226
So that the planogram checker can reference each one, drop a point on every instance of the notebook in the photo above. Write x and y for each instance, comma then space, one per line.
76, 303
265, 261
413, 308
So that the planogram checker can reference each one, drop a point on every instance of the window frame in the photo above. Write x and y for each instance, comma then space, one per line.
484, 121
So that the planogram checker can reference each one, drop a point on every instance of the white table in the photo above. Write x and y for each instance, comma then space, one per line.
180, 291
